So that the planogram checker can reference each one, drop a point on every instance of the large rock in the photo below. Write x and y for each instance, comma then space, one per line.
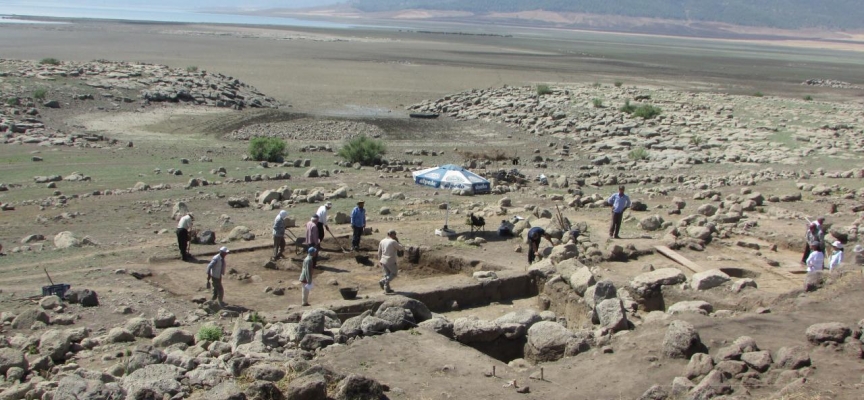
399, 318
358, 387
164, 319
651, 281
55, 344
547, 341
373, 325
603, 290
441, 326
238, 202
611, 315
652, 223
144, 355
225, 391
758, 360
794, 357
265, 372
65, 240
241, 233
682, 341
707, 210
269, 196
309, 387
581, 280
74, 387
708, 279
263, 391
562, 253
417, 308
314, 341
173, 336
85, 297
474, 330
828, 332
140, 327
525, 317
700, 365
119, 335
28, 317
655, 392
712, 385
351, 327
161, 379
693, 306
11, 358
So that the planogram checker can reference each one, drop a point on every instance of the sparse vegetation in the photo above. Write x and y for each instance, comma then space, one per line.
543, 90
637, 154
49, 61
618, 83
647, 111
257, 318
13, 101
210, 333
267, 149
808, 98
40, 94
758, 94
697, 140
596, 85
597, 102
627, 108
363, 150
192, 68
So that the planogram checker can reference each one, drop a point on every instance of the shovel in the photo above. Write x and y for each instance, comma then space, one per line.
337, 242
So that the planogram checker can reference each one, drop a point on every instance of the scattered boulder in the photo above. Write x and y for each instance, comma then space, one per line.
581, 280
708, 279
828, 332
85, 297
651, 223
652, 281
140, 327
611, 315
173, 336
757, 360
65, 240
794, 357
357, 387
694, 306
418, 309
700, 365
473, 330
682, 341
547, 341
11, 358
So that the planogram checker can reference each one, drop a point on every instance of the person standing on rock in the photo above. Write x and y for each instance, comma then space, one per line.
279, 235
306, 275
215, 271
322, 220
619, 202
836, 256
183, 228
535, 235
816, 259
358, 224
388, 250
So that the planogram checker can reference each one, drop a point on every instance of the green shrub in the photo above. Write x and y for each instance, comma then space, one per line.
256, 318
808, 98
647, 111
639, 153
697, 140
192, 68
598, 103
758, 94
267, 149
39, 94
13, 101
363, 150
618, 83
49, 61
628, 108
543, 90
210, 333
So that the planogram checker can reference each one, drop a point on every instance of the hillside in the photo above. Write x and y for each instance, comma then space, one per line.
784, 14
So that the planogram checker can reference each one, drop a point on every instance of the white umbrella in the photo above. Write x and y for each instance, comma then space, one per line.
451, 177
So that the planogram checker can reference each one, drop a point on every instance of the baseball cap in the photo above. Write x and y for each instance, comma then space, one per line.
328, 204
391, 232
311, 250
224, 249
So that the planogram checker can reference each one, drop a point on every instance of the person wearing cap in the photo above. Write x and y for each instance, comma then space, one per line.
306, 275
619, 203
312, 237
183, 228
388, 250
816, 259
215, 270
536, 234
279, 235
358, 224
322, 220
836, 256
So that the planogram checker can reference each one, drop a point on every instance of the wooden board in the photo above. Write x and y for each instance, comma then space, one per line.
692, 266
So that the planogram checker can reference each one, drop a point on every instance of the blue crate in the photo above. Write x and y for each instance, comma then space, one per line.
58, 290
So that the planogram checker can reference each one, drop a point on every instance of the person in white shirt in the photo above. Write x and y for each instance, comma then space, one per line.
322, 220
388, 250
836, 256
183, 228
215, 270
816, 259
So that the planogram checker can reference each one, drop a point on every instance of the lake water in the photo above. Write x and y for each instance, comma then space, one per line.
60, 10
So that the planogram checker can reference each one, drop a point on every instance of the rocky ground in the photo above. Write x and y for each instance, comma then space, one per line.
96, 170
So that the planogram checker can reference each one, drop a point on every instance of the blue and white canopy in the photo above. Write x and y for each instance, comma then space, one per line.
451, 176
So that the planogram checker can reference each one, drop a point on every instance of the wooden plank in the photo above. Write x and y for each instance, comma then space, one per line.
692, 266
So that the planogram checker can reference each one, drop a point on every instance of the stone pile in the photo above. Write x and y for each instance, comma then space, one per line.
832, 84
308, 129
694, 128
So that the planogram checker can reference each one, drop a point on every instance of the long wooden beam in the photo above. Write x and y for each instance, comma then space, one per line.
692, 266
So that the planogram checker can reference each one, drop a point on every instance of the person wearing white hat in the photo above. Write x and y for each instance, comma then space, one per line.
388, 250
322, 220
183, 228
836, 256
215, 270
279, 235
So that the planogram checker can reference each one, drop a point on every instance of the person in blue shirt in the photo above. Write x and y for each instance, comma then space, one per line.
535, 234
619, 202
358, 224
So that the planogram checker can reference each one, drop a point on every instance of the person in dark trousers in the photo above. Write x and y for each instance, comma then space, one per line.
812, 238
358, 224
183, 228
215, 270
279, 235
619, 202
536, 234
322, 220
